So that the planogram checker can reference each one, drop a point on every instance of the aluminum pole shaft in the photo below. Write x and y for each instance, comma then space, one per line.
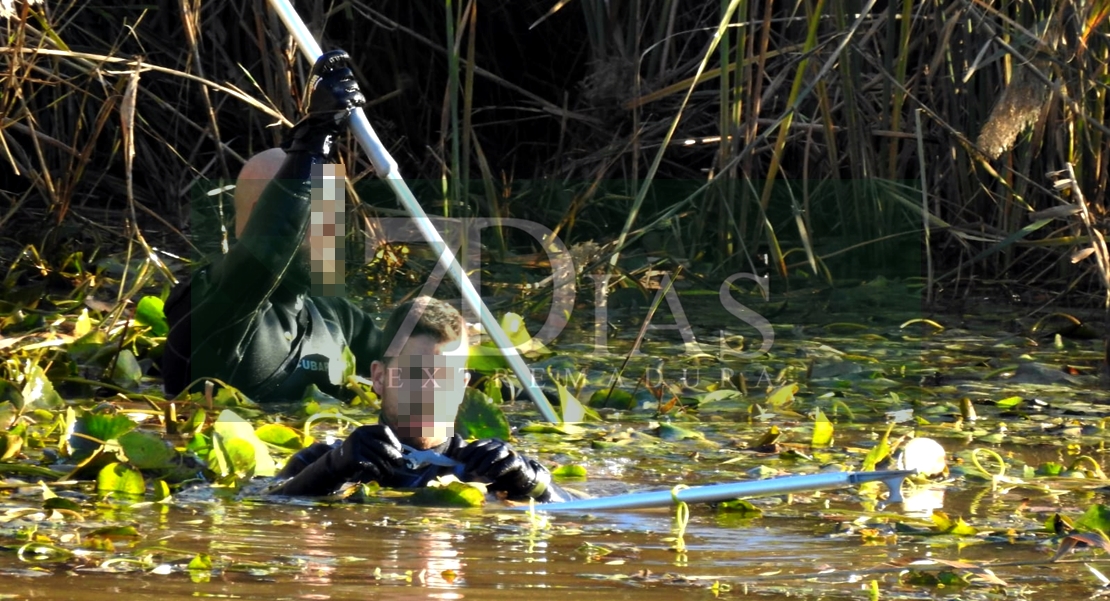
386, 168
734, 490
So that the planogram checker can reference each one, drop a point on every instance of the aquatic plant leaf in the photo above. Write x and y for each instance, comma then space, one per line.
722, 397
620, 399
147, 451
8, 406
740, 506
119, 478
671, 432
90, 347
767, 443
150, 312
127, 373
241, 456
83, 325
229, 427
39, 391
116, 532
782, 396
513, 326
100, 426
577, 472
61, 503
822, 431
280, 435
1097, 517
452, 494
546, 428
1009, 402
481, 417
10, 445
947, 525
878, 452
201, 561
573, 410
161, 490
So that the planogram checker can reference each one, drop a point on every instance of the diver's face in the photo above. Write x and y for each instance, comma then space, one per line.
326, 230
421, 389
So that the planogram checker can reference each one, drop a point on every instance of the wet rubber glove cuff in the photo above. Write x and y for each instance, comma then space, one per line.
543, 479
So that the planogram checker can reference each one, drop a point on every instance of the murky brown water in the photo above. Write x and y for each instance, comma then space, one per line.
821, 546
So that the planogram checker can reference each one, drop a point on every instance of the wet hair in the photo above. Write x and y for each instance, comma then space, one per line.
434, 318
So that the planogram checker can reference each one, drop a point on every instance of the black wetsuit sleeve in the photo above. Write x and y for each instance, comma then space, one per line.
227, 323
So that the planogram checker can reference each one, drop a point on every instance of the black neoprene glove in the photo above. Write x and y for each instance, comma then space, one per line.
370, 454
333, 94
508, 472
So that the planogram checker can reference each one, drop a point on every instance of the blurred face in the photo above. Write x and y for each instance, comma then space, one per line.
421, 389
326, 230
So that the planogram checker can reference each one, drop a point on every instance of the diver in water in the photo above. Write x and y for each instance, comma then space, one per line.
269, 318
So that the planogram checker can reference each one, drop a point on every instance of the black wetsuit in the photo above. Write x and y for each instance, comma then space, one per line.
247, 319
408, 477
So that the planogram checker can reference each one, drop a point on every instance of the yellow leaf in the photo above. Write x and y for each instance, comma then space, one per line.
84, 324
782, 396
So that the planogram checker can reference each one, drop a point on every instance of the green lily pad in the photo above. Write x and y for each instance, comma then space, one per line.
741, 507
201, 561
230, 427
1097, 517
61, 503
619, 399
39, 391
241, 457
569, 472
127, 372
671, 432
147, 451
480, 417
280, 435
947, 525
99, 426
545, 428
150, 312
119, 478
454, 494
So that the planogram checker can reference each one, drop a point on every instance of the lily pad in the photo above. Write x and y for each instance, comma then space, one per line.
480, 417
127, 372
619, 399
671, 432
150, 312
147, 451
453, 494
1097, 517
280, 435
39, 391
230, 427
99, 426
119, 478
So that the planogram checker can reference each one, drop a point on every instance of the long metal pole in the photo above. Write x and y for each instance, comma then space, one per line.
386, 168
735, 490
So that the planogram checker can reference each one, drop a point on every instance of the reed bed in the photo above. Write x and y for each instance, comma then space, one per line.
963, 138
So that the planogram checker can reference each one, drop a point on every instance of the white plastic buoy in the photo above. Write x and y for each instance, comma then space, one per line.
924, 455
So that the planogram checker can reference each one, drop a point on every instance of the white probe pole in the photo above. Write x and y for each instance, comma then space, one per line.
386, 168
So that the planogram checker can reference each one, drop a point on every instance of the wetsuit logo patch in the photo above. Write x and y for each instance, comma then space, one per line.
315, 364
